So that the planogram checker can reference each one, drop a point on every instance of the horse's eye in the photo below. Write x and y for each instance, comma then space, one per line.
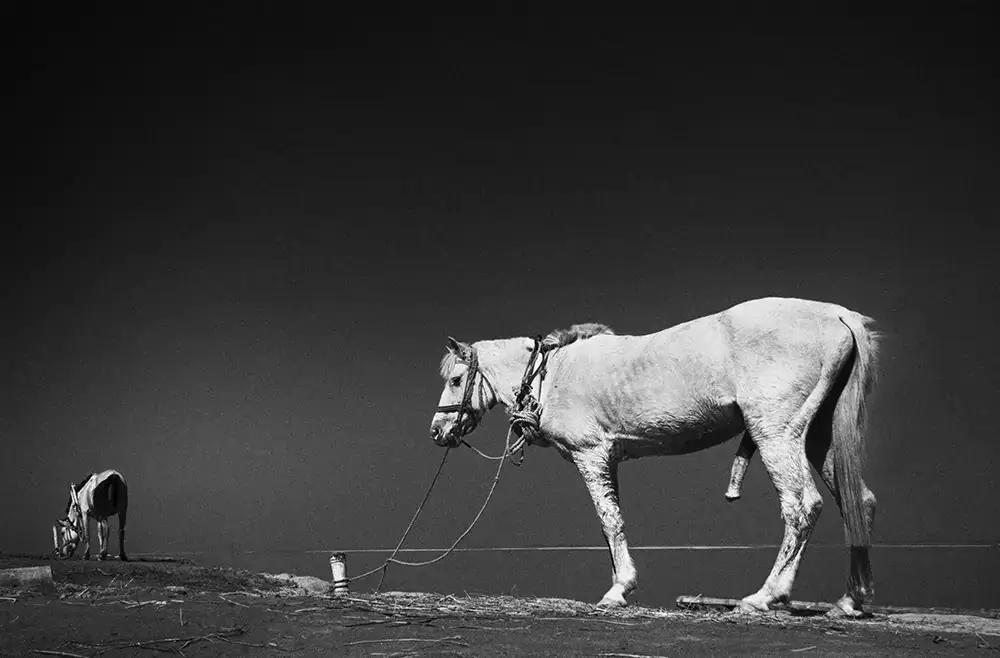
455, 381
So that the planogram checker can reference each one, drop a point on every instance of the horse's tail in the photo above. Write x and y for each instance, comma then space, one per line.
849, 421
113, 491
117, 492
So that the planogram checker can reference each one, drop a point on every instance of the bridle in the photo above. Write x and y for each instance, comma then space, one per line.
75, 527
524, 411
464, 407
523, 396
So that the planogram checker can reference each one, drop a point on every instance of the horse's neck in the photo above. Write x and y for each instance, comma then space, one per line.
504, 361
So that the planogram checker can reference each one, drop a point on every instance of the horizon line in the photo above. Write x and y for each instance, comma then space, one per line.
521, 549
683, 547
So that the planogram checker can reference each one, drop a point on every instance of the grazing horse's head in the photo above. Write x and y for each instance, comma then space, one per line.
68, 532
466, 397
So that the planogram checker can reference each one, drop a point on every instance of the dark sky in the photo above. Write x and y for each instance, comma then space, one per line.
237, 240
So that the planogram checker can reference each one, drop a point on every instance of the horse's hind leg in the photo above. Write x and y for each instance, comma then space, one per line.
860, 581
801, 505
122, 517
103, 529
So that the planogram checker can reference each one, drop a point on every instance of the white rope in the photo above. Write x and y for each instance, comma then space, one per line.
508, 451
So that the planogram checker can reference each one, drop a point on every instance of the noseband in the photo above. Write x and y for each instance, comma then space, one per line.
465, 407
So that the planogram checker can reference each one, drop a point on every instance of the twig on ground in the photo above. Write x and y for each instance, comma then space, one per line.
8, 599
393, 622
221, 634
295, 612
82, 592
598, 619
259, 645
803, 649
494, 628
242, 605
58, 653
449, 640
243, 592
632, 655
140, 604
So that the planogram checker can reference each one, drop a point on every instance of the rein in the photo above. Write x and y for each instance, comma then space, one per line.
525, 416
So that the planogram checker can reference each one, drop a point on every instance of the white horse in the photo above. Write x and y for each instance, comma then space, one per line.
99, 496
792, 374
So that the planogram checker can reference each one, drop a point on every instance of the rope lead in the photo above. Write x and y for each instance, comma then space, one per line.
525, 420
508, 451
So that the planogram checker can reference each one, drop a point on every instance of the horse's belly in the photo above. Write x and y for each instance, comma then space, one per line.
673, 435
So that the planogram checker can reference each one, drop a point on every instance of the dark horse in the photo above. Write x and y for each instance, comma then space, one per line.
100, 496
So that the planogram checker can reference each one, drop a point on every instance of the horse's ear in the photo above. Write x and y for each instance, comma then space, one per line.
72, 494
454, 346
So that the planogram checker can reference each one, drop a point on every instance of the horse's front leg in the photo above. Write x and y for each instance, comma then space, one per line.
600, 474
86, 538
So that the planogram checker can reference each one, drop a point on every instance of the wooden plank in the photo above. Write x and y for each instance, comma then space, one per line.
689, 602
694, 602
25, 576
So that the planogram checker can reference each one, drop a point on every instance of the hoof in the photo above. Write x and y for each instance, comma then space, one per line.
611, 603
613, 599
751, 606
836, 612
123, 557
86, 557
845, 608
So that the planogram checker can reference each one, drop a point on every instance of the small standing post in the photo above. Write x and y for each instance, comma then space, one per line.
338, 566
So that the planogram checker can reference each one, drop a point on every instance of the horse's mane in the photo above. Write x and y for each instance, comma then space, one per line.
555, 338
563, 337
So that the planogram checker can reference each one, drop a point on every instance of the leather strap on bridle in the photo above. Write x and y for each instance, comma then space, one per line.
465, 407
525, 411
76, 527
524, 390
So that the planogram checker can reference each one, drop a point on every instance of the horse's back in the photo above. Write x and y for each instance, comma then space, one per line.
782, 325
110, 494
784, 312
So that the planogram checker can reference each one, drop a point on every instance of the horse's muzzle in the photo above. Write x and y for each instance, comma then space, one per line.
450, 439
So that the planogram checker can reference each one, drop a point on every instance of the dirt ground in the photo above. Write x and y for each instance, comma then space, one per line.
159, 605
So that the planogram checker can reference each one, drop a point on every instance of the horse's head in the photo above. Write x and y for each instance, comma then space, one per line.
466, 397
68, 532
